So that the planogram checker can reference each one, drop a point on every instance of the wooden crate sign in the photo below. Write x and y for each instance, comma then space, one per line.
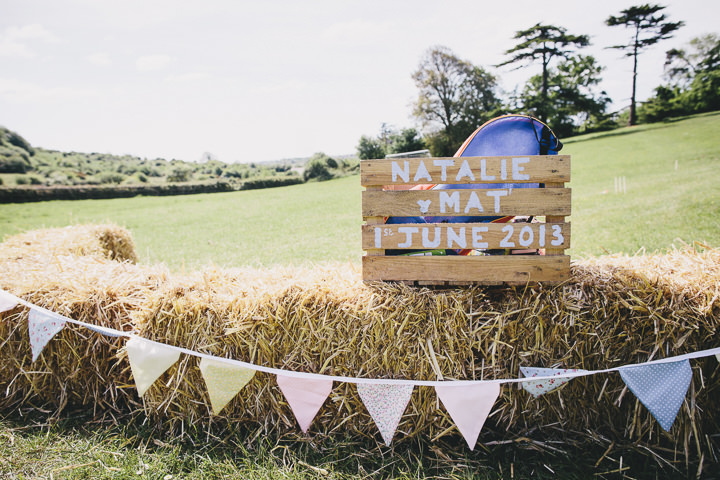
388, 193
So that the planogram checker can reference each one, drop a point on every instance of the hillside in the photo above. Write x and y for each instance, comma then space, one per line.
22, 164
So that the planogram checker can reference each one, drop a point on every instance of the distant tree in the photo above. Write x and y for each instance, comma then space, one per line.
454, 98
406, 140
701, 55
693, 75
317, 168
370, 148
543, 42
571, 102
648, 29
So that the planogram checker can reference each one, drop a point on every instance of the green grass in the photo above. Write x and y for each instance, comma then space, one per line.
307, 223
662, 203
319, 222
79, 447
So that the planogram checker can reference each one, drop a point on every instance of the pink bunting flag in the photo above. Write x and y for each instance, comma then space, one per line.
305, 396
386, 404
42, 326
538, 387
469, 406
7, 301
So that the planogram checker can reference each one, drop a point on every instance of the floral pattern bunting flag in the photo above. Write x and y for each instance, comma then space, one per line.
469, 406
661, 387
7, 302
149, 360
305, 396
386, 404
42, 326
538, 387
223, 381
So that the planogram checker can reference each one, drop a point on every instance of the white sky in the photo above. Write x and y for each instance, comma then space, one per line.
265, 80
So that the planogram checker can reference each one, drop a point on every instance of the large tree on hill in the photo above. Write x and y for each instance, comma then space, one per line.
543, 43
648, 28
573, 104
455, 97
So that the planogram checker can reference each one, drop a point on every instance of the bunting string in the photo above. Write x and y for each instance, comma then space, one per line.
661, 384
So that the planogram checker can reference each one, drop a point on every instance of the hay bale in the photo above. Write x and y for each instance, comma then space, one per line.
614, 311
108, 241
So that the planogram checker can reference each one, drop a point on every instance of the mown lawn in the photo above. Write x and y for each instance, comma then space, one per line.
672, 195
80, 447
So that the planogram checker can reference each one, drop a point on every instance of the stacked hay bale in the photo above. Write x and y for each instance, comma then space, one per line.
614, 311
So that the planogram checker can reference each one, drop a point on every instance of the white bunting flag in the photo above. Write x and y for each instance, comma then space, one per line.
386, 404
223, 381
661, 387
469, 406
149, 360
7, 301
538, 387
305, 396
42, 326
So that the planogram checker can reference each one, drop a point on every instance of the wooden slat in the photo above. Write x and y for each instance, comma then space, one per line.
498, 235
528, 169
510, 269
517, 201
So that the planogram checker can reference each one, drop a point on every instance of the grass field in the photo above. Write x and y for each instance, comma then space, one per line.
669, 169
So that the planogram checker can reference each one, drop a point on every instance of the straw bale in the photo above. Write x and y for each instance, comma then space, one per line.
110, 241
614, 310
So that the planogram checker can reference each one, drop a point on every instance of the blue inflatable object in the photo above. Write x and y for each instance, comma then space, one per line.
509, 135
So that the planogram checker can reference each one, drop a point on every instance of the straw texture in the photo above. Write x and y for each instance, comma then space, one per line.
614, 310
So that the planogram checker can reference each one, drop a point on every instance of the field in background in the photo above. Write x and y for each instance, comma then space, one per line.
669, 170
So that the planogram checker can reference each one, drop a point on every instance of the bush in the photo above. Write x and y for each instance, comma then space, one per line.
179, 175
22, 180
111, 177
317, 168
13, 160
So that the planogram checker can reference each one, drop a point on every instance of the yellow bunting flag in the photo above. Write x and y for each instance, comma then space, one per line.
149, 360
223, 381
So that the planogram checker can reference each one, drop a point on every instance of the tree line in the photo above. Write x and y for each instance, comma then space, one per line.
455, 96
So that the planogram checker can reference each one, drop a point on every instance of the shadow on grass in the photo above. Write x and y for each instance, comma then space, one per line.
79, 446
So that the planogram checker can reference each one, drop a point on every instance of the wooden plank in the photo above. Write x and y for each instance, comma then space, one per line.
375, 221
510, 269
466, 236
493, 202
469, 170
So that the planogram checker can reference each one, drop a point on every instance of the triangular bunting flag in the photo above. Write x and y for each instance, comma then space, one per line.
469, 406
223, 381
149, 360
42, 326
661, 387
305, 396
386, 404
538, 387
7, 301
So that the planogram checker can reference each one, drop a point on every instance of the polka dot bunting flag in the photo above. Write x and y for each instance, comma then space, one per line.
538, 387
42, 326
386, 404
661, 387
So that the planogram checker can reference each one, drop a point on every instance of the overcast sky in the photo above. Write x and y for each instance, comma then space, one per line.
265, 80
